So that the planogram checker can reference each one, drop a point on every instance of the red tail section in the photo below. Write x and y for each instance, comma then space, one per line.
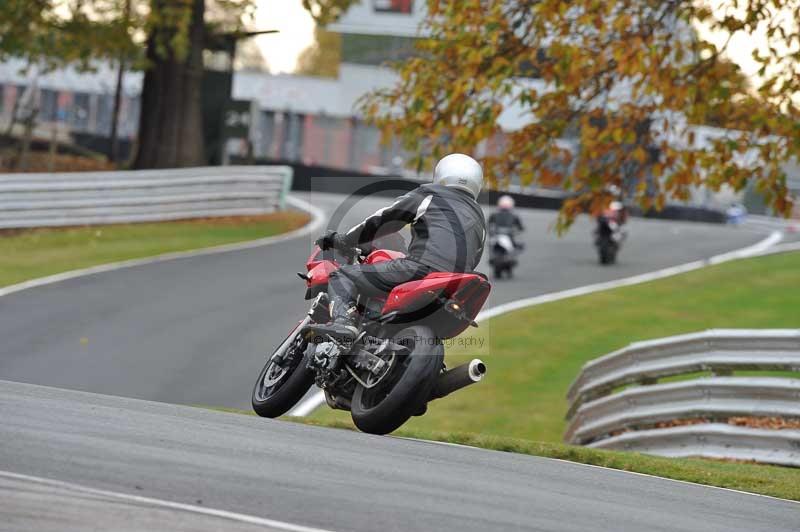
448, 301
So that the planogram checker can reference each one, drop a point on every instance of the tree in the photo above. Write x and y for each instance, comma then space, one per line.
47, 34
171, 120
249, 57
323, 57
327, 11
171, 125
604, 93
50, 33
20, 20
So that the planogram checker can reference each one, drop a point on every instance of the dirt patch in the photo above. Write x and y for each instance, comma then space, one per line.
40, 162
681, 423
288, 217
775, 423
769, 423
289, 220
772, 422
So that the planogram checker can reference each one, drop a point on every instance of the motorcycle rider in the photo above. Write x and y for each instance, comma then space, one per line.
506, 218
448, 231
612, 219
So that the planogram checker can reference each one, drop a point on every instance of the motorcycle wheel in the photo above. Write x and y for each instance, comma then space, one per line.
404, 392
279, 388
607, 252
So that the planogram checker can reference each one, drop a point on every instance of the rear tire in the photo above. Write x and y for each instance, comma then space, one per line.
286, 388
607, 252
410, 382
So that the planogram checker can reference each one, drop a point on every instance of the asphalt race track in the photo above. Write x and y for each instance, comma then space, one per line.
316, 477
196, 330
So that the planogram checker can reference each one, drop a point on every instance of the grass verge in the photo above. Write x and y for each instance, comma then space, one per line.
28, 254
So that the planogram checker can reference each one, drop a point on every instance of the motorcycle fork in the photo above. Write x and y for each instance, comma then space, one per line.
280, 354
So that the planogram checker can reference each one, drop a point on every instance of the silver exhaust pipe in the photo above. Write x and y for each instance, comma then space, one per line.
458, 377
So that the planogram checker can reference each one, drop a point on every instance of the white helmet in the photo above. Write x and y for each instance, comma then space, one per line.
459, 171
505, 202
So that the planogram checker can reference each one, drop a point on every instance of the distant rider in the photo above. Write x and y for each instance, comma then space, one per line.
506, 220
612, 219
448, 231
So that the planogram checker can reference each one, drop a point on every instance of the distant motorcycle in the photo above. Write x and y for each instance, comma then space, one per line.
609, 236
396, 363
503, 251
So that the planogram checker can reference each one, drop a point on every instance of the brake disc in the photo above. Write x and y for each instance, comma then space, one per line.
271, 376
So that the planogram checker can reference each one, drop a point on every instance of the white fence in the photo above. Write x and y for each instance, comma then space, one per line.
653, 417
62, 199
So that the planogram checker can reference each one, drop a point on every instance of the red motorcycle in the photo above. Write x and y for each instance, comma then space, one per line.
395, 365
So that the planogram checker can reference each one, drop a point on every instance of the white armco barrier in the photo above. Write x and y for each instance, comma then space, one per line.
61, 199
662, 418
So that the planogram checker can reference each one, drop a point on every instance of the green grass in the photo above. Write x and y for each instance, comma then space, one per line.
36, 253
533, 355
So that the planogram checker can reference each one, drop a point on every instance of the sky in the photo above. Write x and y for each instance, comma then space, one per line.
741, 46
296, 26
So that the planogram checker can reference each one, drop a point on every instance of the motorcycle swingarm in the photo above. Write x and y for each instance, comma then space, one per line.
374, 367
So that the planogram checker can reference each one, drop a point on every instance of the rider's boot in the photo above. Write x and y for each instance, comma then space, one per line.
343, 324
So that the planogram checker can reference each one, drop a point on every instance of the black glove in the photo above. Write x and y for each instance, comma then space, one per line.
332, 240
325, 242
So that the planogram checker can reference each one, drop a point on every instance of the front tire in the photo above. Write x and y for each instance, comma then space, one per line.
278, 388
405, 391
607, 252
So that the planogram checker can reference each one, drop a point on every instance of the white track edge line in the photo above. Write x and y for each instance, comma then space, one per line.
781, 248
563, 460
306, 407
224, 514
313, 225
749, 251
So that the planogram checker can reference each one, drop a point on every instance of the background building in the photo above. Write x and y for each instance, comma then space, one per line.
78, 102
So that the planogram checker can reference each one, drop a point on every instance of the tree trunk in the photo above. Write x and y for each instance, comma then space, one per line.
171, 120
114, 152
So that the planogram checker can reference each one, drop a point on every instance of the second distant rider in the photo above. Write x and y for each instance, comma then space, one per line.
505, 220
